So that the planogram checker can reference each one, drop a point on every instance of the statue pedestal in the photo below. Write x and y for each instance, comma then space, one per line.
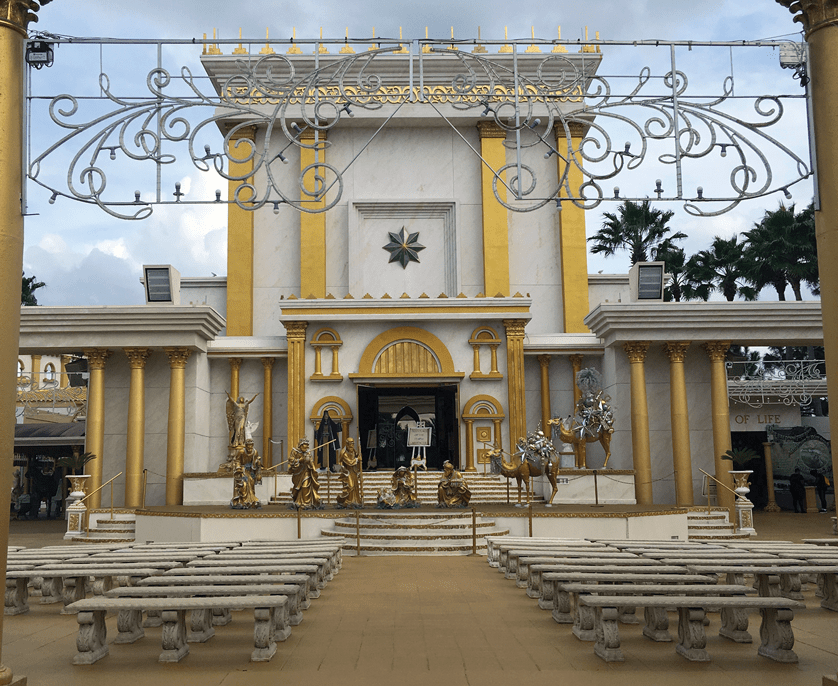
576, 486
209, 488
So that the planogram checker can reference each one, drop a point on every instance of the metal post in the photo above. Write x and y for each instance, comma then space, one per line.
529, 515
145, 484
473, 532
596, 491
357, 534
111, 500
507, 491
299, 524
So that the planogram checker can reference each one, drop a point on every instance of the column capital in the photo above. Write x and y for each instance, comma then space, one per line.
577, 130
245, 132
235, 363
576, 361
307, 136
544, 360
514, 327
716, 350
295, 331
636, 351
676, 350
137, 357
178, 357
18, 14
268, 362
813, 14
96, 357
489, 129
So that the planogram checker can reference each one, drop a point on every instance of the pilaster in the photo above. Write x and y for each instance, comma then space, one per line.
681, 455
720, 413
495, 221
515, 379
295, 333
176, 434
312, 224
95, 426
134, 453
640, 445
267, 411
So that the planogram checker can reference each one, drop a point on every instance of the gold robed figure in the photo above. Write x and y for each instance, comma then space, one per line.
403, 487
453, 490
247, 472
305, 486
350, 476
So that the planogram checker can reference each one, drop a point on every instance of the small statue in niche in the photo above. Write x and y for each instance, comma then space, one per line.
247, 473
305, 486
453, 490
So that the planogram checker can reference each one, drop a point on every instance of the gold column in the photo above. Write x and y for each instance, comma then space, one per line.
572, 238
544, 361
515, 379
312, 226
640, 447
177, 424
769, 479
134, 453
295, 332
496, 433
493, 347
36, 371
95, 428
65, 379
495, 222
240, 239
235, 367
820, 22
576, 367
470, 446
681, 455
267, 411
720, 413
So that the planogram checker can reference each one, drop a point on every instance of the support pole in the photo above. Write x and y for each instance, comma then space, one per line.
529, 517
473, 532
357, 534
769, 478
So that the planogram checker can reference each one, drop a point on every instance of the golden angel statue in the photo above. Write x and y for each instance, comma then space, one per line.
350, 476
237, 418
305, 486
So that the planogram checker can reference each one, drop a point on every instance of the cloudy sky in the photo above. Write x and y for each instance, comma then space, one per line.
89, 258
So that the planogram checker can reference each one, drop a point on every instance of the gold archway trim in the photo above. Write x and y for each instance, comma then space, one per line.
420, 338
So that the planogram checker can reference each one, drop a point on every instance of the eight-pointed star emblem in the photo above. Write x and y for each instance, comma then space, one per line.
403, 247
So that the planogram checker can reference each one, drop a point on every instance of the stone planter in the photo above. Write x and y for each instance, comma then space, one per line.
76, 510
744, 507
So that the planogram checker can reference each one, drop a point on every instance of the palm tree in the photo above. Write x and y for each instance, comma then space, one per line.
638, 228
28, 288
805, 223
780, 250
723, 268
681, 286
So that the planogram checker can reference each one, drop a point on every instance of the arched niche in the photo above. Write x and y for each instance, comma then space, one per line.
481, 408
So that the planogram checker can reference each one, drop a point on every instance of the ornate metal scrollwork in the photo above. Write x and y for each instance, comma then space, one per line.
791, 383
555, 105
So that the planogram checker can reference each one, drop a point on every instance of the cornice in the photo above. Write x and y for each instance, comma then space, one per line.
813, 14
18, 14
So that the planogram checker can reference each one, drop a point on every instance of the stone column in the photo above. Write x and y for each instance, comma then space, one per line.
312, 224
681, 455
820, 23
176, 434
494, 351
15, 16
769, 478
470, 446
495, 222
134, 453
235, 368
95, 427
640, 447
497, 436
295, 332
65, 379
37, 381
720, 413
515, 379
576, 367
240, 238
544, 361
267, 411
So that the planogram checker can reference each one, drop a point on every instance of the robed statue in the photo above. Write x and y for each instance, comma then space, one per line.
401, 495
350, 477
453, 490
247, 473
305, 486
237, 418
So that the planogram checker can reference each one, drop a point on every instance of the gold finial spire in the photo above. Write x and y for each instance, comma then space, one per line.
267, 50
373, 46
560, 48
506, 47
452, 47
586, 47
212, 49
294, 49
597, 37
322, 49
240, 50
426, 47
533, 47
402, 50
204, 51
347, 49
479, 47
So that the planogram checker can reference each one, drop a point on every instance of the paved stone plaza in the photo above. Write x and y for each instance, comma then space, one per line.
421, 620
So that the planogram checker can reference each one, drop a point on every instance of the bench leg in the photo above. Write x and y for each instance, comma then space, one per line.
791, 587
657, 624
175, 647
545, 601
830, 591
691, 634
36, 586
51, 590
129, 623
152, 619
735, 625
819, 592
17, 596
628, 616
584, 622
92, 641
282, 623
561, 607
221, 616
511, 571
777, 636
75, 588
607, 644
102, 584
521, 576
768, 585
264, 645
534, 585
295, 615
200, 626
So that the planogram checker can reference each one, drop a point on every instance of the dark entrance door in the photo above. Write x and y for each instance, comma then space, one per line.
388, 411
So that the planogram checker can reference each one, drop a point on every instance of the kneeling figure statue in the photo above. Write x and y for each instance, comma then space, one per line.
453, 490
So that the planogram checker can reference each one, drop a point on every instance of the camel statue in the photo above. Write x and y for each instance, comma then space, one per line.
531, 464
578, 435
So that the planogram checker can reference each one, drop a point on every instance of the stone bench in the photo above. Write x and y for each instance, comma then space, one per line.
269, 613
327, 559
302, 581
822, 541
524, 562
775, 630
220, 616
334, 545
311, 571
734, 620
508, 557
335, 554
494, 545
318, 568
502, 550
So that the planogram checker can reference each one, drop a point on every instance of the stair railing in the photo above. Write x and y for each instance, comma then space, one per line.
109, 481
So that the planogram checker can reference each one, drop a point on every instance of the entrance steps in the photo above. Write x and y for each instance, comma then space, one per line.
705, 524
401, 532
485, 488
106, 528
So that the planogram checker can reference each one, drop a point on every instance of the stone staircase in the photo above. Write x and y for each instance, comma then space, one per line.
104, 529
705, 524
402, 532
485, 488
